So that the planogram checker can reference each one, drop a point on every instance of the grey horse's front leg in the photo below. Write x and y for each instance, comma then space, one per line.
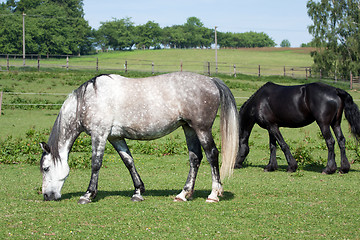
98, 147
124, 152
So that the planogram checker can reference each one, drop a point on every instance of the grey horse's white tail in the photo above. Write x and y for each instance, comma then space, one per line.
229, 128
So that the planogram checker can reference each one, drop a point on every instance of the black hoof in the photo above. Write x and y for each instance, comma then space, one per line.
269, 169
238, 166
328, 171
343, 171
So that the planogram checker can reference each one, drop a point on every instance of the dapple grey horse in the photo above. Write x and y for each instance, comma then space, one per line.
115, 108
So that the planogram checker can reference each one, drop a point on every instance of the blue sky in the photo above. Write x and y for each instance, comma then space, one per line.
280, 19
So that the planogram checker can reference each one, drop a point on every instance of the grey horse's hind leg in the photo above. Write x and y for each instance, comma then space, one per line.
124, 152
212, 155
195, 157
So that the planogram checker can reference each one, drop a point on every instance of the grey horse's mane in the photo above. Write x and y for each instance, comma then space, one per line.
56, 130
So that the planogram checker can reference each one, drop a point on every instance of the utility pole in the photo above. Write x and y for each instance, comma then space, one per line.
23, 38
216, 62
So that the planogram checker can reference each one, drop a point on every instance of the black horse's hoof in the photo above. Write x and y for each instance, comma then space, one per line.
344, 171
328, 171
238, 166
84, 201
269, 169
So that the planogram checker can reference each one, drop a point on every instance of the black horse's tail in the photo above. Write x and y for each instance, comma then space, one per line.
352, 113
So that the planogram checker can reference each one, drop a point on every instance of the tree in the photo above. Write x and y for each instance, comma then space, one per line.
174, 36
148, 35
285, 43
117, 34
245, 40
52, 27
336, 34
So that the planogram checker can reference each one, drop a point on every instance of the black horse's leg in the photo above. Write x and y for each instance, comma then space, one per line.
195, 157
272, 166
98, 147
330, 142
292, 164
243, 151
124, 152
345, 165
212, 155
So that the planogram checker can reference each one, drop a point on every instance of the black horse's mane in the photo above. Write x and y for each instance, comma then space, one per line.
252, 97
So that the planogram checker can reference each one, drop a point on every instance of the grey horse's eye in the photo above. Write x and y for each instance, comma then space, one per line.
46, 169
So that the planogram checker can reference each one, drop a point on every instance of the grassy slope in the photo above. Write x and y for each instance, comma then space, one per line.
246, 60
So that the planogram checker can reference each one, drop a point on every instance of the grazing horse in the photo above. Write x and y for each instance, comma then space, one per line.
115, 108
274, 106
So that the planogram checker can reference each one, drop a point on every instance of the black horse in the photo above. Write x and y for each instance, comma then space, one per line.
274, 106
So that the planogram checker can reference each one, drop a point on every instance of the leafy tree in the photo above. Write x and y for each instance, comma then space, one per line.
148, 35
192, 34
174, 36
336, 34
10, 31
245, 40
285, 43
52, 27
117, 34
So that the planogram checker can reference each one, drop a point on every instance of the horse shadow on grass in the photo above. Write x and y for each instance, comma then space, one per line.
202, 194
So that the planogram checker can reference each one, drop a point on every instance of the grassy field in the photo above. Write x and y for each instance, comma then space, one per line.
272, 61
256, 205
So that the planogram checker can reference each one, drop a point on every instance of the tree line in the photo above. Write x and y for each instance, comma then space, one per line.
59, 27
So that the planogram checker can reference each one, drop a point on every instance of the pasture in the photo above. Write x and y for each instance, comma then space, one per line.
247, 61
258, 205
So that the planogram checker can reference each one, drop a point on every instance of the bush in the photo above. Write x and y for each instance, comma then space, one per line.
27, 149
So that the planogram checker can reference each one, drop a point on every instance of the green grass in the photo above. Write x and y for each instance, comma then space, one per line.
256, 205
272, 60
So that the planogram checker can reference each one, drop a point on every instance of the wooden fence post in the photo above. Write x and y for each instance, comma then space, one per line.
152, 67
1, 94
259, 73
7, 62
234, 70
67, 62
306, 73
351, 80
126, 66
97, 64
284, 71
208, 63
38, 66
181, 66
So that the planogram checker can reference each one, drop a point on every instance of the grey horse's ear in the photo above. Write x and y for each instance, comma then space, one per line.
45, 147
